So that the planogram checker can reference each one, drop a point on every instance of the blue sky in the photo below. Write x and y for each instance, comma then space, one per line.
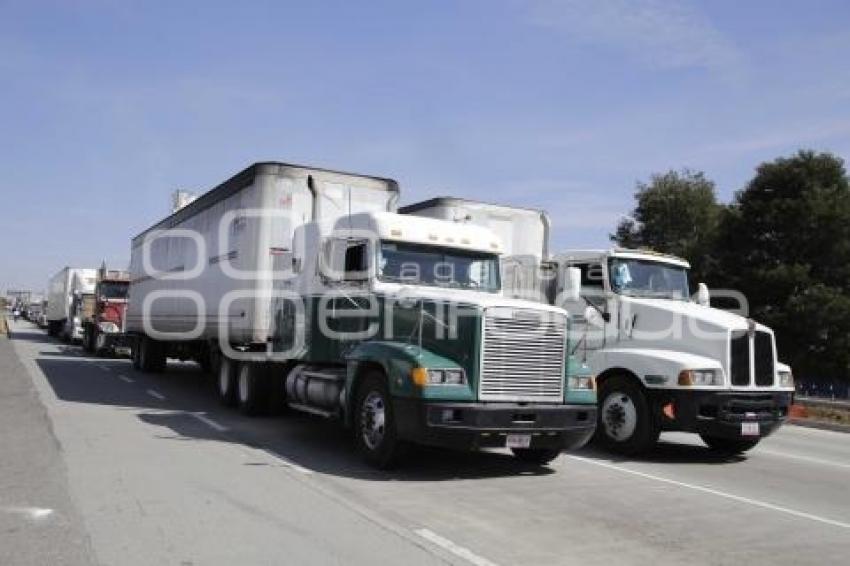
106, 107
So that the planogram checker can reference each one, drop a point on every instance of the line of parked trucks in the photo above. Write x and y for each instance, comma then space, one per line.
447, 322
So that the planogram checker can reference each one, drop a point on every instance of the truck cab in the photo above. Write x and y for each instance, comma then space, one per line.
666, 360
103, 328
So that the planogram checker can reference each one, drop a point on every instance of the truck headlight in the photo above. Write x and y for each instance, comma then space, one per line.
786, 379
691, 377
108, 327
586, 382
426, 376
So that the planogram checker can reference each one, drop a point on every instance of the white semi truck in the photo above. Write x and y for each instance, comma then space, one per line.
64, 297
305, 285
663, 360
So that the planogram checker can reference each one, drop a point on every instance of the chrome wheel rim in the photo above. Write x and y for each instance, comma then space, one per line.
372, 420
619, 416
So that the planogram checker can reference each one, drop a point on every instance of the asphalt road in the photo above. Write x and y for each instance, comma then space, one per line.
149, 469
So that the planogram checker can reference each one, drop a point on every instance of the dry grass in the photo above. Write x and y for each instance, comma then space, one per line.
835, 415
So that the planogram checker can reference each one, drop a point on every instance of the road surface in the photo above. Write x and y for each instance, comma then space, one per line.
130, 468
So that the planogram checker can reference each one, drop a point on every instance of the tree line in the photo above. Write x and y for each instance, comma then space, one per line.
783, 240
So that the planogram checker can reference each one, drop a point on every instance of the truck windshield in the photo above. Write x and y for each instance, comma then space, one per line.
646, 278
114, 289
419, 264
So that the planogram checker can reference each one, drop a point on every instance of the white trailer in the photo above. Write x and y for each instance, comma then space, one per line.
663, 359
228, 241
305, 285
524, 233
66, 286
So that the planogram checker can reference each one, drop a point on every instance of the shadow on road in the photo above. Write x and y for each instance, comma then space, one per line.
322, 446
666, 453
319, 445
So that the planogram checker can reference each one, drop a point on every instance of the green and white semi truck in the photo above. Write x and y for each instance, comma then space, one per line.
304, 285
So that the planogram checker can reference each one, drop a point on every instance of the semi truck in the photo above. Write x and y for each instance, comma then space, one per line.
664, 359
65, 290
305, 285
103, 329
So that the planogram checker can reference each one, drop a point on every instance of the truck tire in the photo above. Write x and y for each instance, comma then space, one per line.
227, 381
536, 456
100, 345
375, 430
729, 446
625, 423
151, 355
137, 360
88, 340
252, 388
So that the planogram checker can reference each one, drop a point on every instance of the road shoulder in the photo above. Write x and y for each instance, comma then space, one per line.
38, 521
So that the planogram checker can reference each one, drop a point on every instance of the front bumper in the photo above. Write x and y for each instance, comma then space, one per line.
721, 413
468, 426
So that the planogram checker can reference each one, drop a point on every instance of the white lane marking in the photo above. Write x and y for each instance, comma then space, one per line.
738, 498
156, 394
34, 513
802, 458
287, 463
209, 422
457, 550
104, 368
124, 378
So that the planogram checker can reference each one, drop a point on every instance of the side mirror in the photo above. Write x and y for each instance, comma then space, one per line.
593, 318
703, 296
572, 284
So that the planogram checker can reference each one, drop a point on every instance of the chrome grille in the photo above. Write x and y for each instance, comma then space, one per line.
523, 355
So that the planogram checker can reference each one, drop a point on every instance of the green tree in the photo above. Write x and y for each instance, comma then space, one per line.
785, 243
677, 213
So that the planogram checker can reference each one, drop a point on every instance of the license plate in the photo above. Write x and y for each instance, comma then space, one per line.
518, 441
750, 429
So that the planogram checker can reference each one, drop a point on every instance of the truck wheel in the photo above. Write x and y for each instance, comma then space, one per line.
99, 344
137, 360
536, 456
374, 423
88, 340
227, 382
624, 422
730, 446
252, 388
151, 355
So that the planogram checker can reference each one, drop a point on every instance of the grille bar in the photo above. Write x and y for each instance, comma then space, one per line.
523, 356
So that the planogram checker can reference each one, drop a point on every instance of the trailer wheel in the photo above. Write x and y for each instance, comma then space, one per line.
137, 360
536, 456
151, 355
252, 388
624, 423
729, 446
227, 381
375, 429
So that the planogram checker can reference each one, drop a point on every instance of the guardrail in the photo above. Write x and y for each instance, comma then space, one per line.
822, 402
